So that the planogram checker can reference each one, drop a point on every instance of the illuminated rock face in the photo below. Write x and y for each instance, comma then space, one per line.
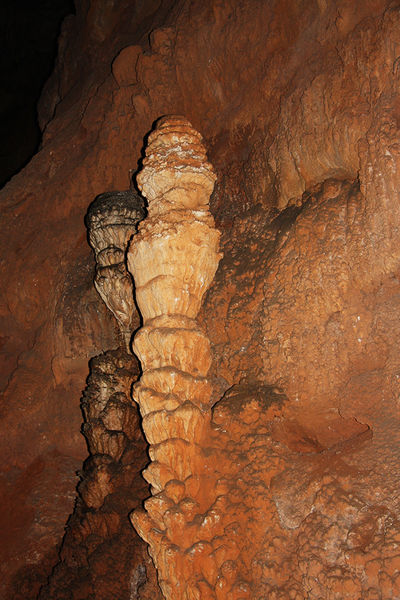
299, 104
111, 221
173, 260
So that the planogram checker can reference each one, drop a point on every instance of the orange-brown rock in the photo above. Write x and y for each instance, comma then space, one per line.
173, 260
298, 105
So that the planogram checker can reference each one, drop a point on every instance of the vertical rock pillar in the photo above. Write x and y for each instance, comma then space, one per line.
173, 260
111, 220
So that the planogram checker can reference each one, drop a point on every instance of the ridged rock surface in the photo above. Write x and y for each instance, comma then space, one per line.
173, 260
298, 105
111, 220
100, 557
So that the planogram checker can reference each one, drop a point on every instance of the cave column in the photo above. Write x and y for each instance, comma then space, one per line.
173, 260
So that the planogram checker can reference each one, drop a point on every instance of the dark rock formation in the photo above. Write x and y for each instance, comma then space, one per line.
111, 221
101, 557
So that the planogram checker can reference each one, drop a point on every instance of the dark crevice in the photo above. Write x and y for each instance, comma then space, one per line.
28, 33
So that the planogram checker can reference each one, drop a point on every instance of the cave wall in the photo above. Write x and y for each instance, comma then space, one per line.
297, 102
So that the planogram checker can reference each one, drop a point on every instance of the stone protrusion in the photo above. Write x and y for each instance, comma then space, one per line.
99, 553
109, 484
112, 220
176, 173
176, 342
111, 424
173, 260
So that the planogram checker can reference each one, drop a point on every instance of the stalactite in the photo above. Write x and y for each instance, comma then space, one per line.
173, 259
111, 220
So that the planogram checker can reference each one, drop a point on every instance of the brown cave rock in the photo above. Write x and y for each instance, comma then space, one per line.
263, 310
99, 556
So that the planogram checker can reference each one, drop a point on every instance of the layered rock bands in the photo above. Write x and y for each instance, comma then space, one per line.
173, 259
111, 221
100, 558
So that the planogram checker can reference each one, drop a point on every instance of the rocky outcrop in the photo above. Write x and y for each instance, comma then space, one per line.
111, 220
173, 260
100, 558
298, 106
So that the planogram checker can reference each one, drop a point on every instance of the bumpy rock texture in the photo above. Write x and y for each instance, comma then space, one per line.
173, 259
99, 557
298, 105
112, 220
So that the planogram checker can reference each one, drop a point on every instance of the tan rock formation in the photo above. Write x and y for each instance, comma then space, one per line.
173, 260
111, 220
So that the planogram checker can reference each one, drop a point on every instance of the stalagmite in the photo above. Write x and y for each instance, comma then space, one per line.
110, 479
173, 259
111, 220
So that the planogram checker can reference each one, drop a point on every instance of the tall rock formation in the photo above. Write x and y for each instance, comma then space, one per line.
99, 557
298, 103
173, 260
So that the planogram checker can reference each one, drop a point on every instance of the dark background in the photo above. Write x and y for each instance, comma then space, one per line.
28, 34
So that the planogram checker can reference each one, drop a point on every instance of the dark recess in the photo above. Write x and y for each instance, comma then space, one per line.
28, 34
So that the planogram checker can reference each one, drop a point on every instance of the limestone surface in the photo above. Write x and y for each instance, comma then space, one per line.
298, 105
100, 557
173, 260
111, 221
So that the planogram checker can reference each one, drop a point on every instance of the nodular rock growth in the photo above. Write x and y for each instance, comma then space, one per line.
173, 260
110, 483
294, 491
111, 221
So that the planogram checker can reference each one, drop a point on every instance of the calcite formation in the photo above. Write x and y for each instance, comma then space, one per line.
291, 497
111, 220
173, 259
99, 557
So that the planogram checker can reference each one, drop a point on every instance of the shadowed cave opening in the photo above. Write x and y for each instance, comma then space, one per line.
28, 47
